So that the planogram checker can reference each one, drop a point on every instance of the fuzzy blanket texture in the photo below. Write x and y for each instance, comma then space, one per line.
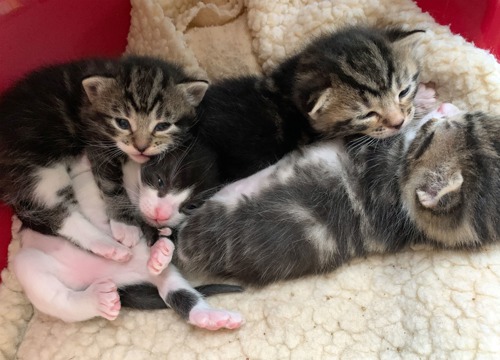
418, 304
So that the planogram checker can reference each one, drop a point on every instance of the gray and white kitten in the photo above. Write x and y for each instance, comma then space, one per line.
332, 201
72, 284
112, 110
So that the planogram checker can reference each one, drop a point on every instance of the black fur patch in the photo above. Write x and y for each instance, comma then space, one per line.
182, 301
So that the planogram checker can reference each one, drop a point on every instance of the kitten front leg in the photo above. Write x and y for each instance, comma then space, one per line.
190, 305
124, 221
161, 253
56, 210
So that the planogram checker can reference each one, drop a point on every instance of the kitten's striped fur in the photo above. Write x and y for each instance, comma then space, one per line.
330, 202
354, 80
112, 110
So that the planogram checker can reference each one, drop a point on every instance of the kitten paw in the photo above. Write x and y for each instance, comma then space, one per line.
106, 297
128, 235
165, 231
215, 319
161, 255
425, 99
112, 251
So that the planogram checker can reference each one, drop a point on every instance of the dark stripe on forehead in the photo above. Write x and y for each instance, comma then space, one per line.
131, 100
424, 146
349, 80
157, 100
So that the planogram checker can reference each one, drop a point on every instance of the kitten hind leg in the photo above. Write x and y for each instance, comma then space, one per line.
37, 273
189, 303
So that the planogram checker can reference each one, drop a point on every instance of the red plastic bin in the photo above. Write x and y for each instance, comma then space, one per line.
35, 32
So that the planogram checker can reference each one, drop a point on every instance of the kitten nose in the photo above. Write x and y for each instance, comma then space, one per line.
162, 213
141, 148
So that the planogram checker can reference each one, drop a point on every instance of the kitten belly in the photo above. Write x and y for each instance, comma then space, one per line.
78, 268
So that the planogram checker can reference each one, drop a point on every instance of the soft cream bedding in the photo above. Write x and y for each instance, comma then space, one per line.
413, 305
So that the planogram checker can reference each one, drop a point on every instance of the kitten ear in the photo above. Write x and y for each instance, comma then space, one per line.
430, 198
194, 90
404, 38
95, 85
320, 104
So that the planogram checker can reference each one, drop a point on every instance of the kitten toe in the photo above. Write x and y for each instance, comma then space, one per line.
161, 255
128, 235
215, 319
112, 251
107, 300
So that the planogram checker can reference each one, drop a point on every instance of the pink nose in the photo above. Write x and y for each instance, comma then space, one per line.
163, 213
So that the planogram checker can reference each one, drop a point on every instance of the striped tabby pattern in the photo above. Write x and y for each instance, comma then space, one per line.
112, 110
437, 183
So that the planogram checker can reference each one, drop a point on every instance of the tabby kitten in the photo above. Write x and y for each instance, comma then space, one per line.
112, 110
355, 80
332, 201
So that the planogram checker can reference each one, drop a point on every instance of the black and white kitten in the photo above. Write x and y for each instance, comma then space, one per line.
71, 284
112, 110
353, 81
332, 201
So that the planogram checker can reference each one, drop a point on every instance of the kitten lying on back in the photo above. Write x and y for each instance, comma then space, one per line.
72, 284
112, 110
332, 201
353, 81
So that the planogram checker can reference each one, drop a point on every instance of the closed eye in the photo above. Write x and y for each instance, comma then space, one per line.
369, 115
161, 126
405, 92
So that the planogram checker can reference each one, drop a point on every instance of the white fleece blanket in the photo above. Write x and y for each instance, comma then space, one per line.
417, 304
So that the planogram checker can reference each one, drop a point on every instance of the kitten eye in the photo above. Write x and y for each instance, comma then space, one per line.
122, 123
189, 208
162, 126
369, 115
405, 92
160, 182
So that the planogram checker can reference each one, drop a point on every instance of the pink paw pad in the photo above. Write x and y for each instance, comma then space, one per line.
161, 255
215, 319
107, 299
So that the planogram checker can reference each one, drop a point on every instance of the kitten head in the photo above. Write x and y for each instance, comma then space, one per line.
358, 81
146, 107
175, 184
442, 178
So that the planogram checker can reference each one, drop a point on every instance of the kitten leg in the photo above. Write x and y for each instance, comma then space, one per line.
161, 255
84, 234
37, 274
61, 212
189, 303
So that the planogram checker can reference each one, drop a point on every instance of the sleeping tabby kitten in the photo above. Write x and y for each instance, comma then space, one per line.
332, 201
112, 110
353, 81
